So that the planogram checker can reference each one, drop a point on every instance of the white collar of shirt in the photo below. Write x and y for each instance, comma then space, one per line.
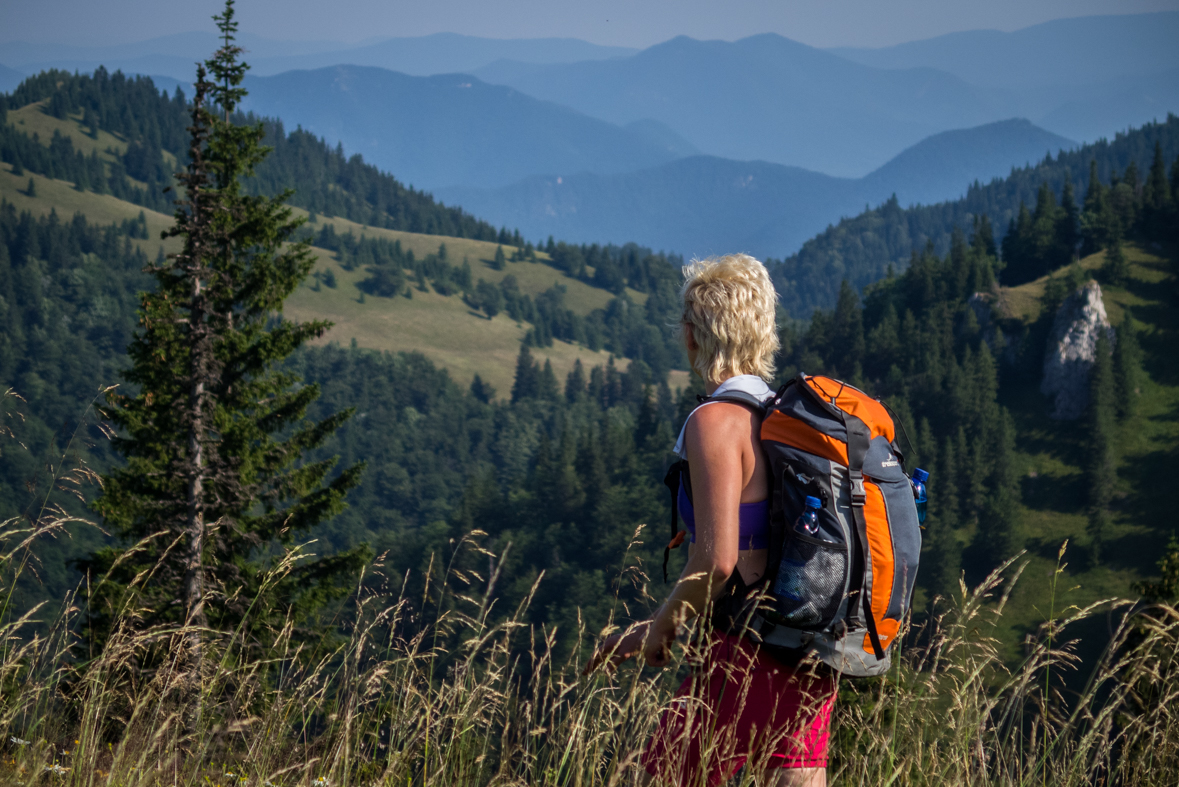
745, 383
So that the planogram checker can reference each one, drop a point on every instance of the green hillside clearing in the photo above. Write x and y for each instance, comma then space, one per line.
33, 119
443, 329
534, 277
1050, 453
61, 196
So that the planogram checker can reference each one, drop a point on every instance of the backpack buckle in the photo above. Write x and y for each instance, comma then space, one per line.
859, 495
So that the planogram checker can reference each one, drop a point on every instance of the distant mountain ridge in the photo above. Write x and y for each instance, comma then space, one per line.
846, 112
174, 55
707, 205
763, 98
1082, 50
454, 129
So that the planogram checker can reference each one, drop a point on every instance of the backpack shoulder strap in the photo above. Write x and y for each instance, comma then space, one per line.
678, 471
738, 397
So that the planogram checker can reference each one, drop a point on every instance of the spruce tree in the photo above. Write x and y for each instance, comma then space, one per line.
547, 388
1068, 226
527, 382
983, 237
1095, 215
1157, 199
575, 383
1127, 369
1116, 267
1018, 249
1100, 467
481, 390
214, 488
848, 331
940, 565
998, 497
500, 261
31, 189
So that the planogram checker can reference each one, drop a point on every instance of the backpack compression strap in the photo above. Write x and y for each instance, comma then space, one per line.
857, 449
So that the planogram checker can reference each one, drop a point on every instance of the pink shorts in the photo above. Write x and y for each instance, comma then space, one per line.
743, 705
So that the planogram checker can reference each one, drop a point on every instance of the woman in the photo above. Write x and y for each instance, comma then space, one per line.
741, 706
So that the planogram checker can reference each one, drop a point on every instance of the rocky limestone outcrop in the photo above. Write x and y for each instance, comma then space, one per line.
1072, 348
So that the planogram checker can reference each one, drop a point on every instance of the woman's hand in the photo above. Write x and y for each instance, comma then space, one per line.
636, 639
618, 647
657, 647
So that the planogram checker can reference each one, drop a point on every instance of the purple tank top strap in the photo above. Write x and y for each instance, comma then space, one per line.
754, 519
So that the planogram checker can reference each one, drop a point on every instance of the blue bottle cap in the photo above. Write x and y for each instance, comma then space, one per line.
813, 502
920, 476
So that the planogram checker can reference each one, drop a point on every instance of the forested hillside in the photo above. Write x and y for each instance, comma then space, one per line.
152, 125
863, 248
567, 470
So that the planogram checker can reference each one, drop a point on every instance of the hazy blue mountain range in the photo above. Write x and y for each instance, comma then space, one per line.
1086, 78
843, 112
706, 205
1117, 105
454, 129
1080, 52
175, 55
846, 112
764, 97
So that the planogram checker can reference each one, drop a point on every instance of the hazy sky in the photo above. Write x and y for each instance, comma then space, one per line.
636, 23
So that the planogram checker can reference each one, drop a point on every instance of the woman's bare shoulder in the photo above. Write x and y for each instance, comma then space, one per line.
721, 422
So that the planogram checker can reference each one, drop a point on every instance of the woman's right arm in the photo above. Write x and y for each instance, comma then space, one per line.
716, 438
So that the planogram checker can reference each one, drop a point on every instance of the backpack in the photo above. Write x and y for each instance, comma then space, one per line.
844, 593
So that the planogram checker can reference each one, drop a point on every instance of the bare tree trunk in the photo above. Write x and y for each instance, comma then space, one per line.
199, 364
194, 585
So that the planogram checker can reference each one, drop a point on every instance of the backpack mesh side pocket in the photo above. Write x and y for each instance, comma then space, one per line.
810, 583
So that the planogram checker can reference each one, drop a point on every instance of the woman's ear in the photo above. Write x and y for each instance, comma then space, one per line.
689, 338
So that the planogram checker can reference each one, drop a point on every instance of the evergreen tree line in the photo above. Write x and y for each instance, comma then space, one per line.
1126, 206
916, 341
60, 160
563, 471
68, 295
152, 123
130, 107
615, 267
861, 249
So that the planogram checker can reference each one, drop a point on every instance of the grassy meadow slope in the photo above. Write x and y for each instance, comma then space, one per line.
443, 329
1050, 453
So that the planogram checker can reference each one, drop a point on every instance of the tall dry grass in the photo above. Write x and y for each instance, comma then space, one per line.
438, 687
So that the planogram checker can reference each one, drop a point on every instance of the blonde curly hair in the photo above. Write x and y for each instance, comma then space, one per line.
730, 307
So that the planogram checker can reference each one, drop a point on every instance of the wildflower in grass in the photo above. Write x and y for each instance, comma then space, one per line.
322, 781
19, 741
57, 769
